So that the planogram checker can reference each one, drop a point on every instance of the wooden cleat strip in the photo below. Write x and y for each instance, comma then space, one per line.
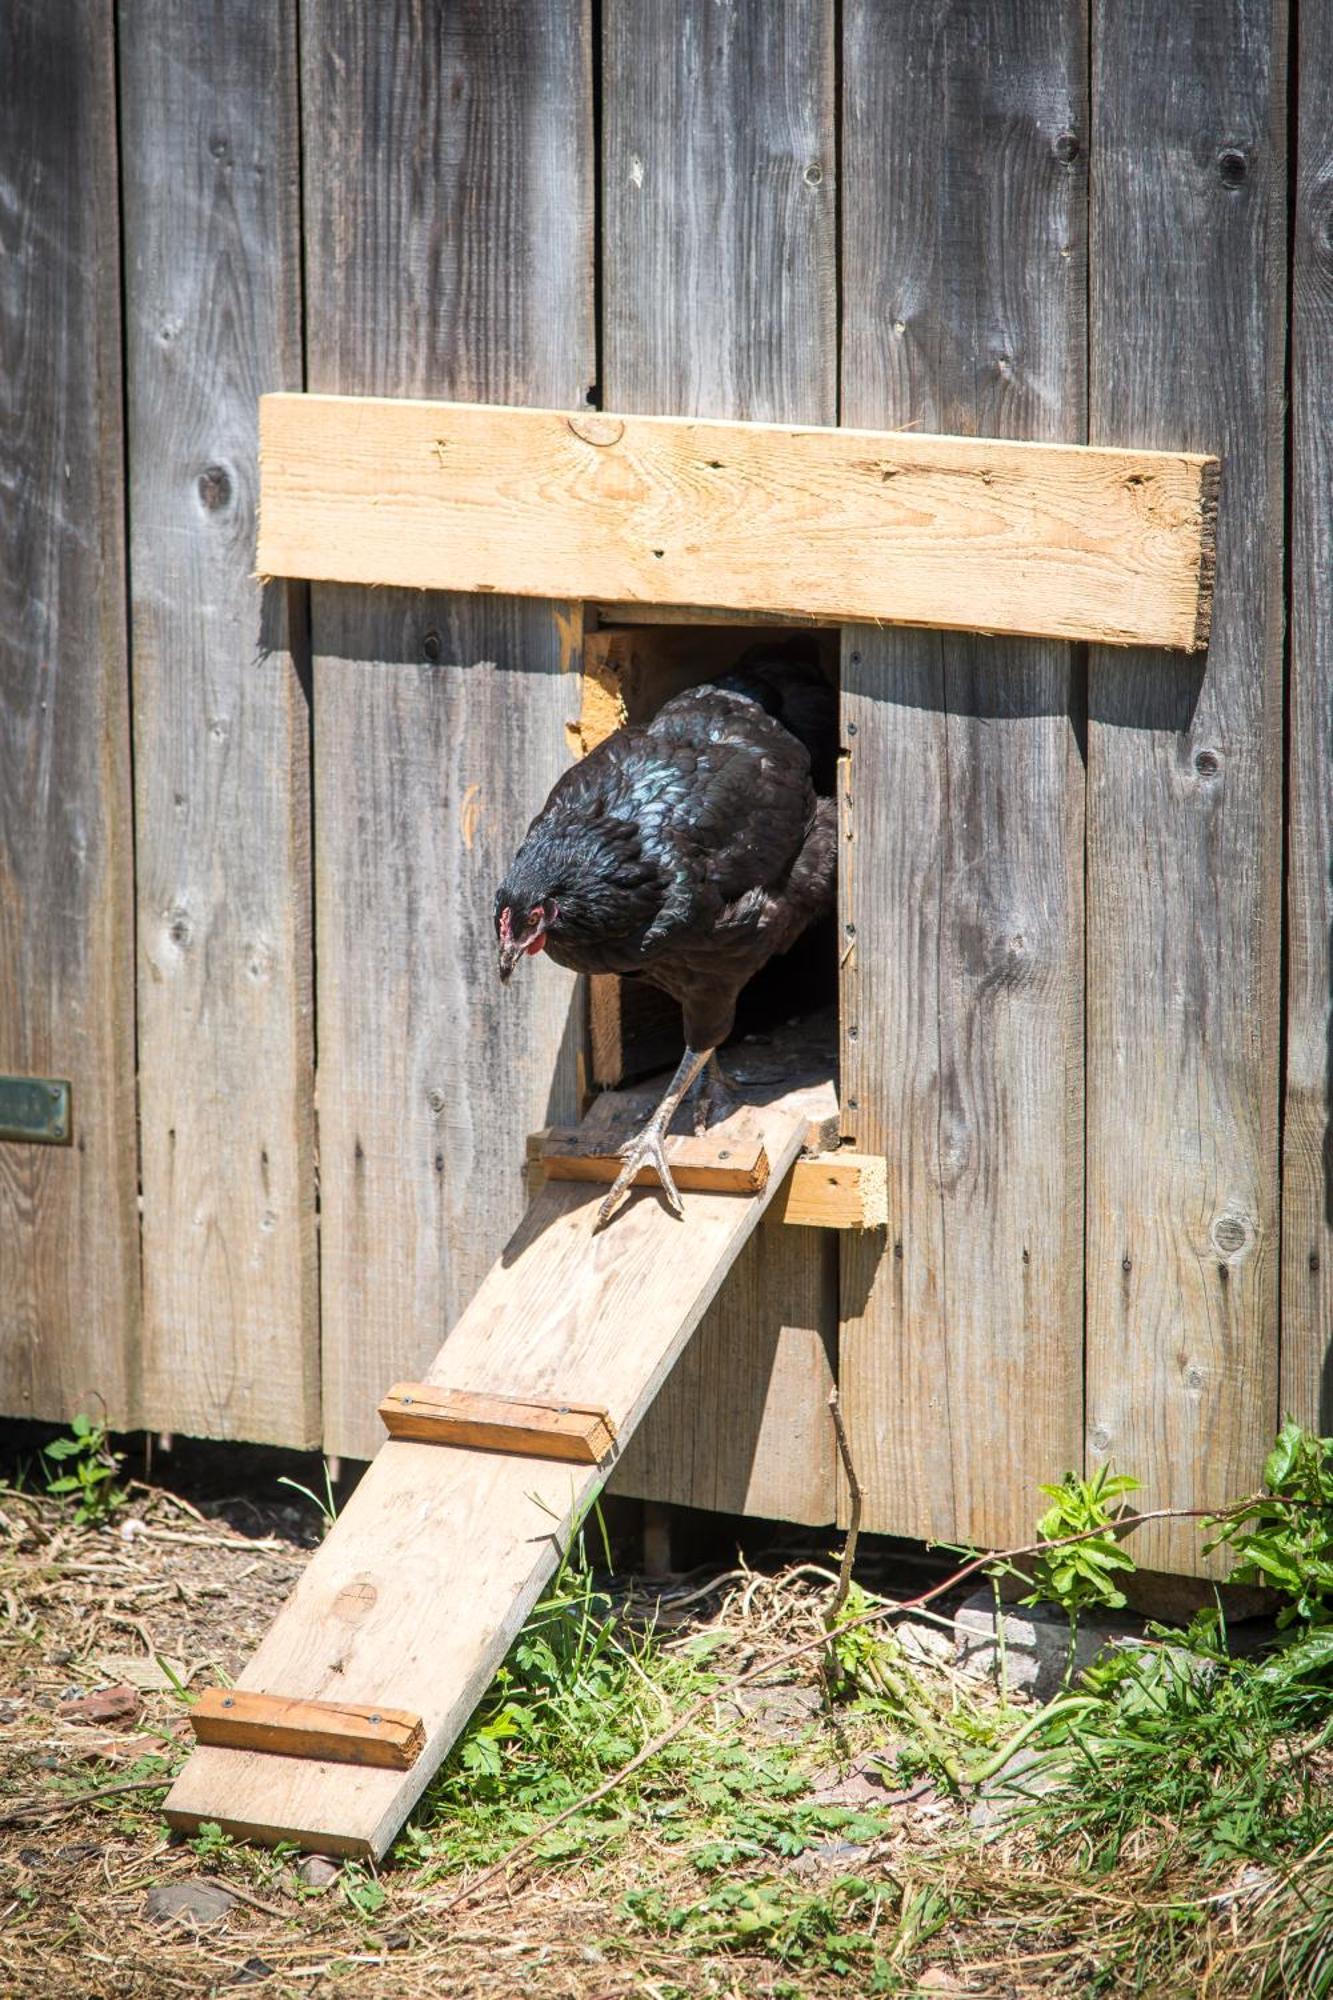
711, 1165
422, 1413
338, 1732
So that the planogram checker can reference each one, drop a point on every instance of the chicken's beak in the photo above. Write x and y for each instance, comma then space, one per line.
514, 948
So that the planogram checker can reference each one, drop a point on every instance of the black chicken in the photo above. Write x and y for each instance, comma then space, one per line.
688, 851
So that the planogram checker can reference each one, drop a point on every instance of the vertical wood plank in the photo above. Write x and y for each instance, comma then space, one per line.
964, 204
719, 300
69, 1259
1187, 308
1307, 1177
448, 252
210, 135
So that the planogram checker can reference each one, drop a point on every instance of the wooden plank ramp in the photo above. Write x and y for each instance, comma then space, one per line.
412, 1602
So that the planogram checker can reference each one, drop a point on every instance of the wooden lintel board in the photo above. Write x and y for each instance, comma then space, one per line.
883, 527
436, 1560
337, 1731
423, 1413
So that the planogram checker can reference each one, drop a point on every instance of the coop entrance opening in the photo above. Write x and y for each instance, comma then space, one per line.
634, 661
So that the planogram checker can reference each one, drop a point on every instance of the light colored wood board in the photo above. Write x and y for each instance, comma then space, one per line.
963, 295
210, 140
435, 1561
728, 1158
1184, 776
431, 1073
424, 1414
69, 1253
719, 295
633, 1028
342, 1732
957, 532
836, 1191
1307, 1173
439, 721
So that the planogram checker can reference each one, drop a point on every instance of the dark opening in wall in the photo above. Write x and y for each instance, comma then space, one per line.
634, 662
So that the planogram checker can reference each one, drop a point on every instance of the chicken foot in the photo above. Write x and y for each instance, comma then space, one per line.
648, 1149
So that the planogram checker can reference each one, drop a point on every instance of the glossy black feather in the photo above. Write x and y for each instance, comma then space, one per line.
692, 849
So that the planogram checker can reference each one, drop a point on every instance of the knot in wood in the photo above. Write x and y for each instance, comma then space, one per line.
214, 486
355, 1600
1066, 148
1230, 1234
597, 429
1232, 167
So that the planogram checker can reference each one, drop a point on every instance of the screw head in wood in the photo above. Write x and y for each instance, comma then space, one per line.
377, 1718
227, 1701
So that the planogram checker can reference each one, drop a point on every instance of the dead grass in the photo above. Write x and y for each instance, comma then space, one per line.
779, 1849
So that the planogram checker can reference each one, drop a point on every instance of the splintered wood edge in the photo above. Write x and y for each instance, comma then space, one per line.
1210, 482
476, 1420
294, 1726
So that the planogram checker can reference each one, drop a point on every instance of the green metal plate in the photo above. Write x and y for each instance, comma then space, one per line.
35, 1110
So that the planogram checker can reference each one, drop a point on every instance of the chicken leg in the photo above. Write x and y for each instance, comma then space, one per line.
711, 1093
647, 1148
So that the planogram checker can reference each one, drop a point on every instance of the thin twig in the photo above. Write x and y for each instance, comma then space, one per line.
844, 1582
854, 1520
52, 1808
879, 1615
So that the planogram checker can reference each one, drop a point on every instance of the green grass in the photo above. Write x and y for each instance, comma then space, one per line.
1175, 1833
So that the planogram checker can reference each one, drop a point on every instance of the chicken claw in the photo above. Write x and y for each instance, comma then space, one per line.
646, 1150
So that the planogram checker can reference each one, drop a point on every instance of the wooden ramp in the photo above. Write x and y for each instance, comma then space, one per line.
411, 1603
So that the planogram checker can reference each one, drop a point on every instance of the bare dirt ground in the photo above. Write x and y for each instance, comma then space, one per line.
107, 1629
671, 1790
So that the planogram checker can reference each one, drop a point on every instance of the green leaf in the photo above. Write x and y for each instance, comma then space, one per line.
1283, 1456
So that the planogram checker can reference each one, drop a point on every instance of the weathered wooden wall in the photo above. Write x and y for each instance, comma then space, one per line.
248, 844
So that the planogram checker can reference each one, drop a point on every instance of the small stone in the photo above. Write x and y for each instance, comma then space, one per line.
197, 1902
1026, 1776
317, 1871
124, 1749
1030, 1645
117, 1707
939, 1979
251, 1973
61, 1656
861, 1787
839, 1856
925, 1645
